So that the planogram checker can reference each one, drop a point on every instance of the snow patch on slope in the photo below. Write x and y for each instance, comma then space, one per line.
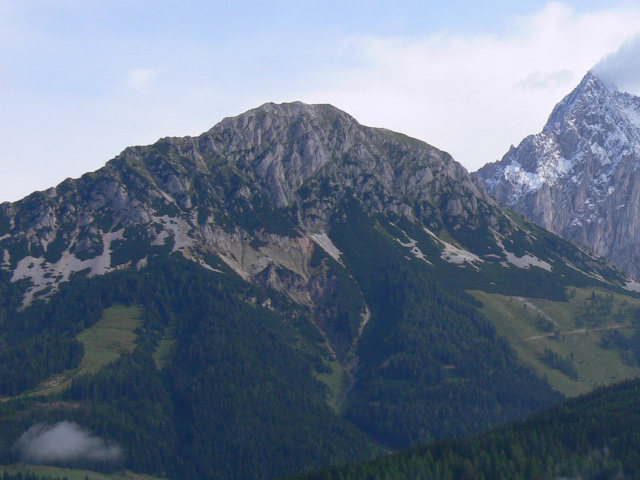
180, 230
454, 254
44, 275
412, 245
526, 261
632, 285
323, 240
550, 168
630, 109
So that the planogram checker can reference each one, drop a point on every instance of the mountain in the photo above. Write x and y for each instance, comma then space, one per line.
264, 174
287, 291
579, 177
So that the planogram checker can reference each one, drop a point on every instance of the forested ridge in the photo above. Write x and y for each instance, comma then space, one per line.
591, 437
426, 343
238, 395
28, 476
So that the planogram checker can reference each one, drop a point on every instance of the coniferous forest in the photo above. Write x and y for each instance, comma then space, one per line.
594, 437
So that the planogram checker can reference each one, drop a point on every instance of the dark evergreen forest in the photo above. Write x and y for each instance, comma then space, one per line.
590, 437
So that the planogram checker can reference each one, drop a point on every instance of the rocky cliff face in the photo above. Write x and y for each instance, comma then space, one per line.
257, 193
579, 177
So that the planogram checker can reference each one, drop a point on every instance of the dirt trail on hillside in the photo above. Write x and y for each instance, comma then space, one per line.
579, 331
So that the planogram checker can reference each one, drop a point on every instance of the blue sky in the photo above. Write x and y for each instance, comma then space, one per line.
80, 80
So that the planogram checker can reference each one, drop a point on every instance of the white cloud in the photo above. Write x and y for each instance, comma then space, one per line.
141, 79
622, 67
545, 80
474, 95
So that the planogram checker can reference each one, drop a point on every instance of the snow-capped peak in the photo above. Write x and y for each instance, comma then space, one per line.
591, 91
580, 176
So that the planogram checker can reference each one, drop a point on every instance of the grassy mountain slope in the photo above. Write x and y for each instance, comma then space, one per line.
69, 473
103, 343
578, 344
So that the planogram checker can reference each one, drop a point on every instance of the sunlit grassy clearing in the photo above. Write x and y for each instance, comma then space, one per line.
335, 381
113, 335
104, 342
165, 349
519, 319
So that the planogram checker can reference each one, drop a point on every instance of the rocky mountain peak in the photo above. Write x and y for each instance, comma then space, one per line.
283, 148
591, 93
579, 176
275, 175
287, 143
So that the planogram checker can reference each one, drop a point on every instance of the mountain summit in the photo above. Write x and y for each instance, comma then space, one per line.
579, 177
209, 194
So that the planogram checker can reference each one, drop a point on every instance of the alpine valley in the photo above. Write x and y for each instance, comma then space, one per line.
288, 291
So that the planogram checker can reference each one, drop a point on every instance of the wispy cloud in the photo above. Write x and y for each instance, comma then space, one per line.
141, 79
545, 80
83, 80
474, 95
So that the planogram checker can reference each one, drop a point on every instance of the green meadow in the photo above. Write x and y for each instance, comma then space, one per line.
104, 342
568, 342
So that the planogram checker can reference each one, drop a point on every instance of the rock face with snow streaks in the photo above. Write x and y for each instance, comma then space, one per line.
579, 177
